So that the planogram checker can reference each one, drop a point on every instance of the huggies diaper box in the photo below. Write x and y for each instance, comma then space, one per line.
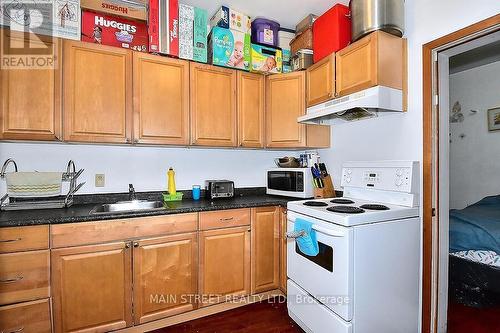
229, 18
265, 59
115, 31
229, 48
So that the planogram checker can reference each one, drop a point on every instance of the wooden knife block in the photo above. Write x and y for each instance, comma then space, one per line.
328, 191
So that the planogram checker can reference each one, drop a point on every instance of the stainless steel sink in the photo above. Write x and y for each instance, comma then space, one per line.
127, 206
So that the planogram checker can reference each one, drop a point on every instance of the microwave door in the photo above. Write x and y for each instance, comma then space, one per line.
282, 181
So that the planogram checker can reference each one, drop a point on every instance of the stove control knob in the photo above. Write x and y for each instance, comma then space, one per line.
349, 171
399, 181
399, 172
348, 179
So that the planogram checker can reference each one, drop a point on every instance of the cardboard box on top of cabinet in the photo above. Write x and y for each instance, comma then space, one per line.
265, 59
114, 31
163, 27
200, 42
131, 9
229, 18
186, 31
229, 48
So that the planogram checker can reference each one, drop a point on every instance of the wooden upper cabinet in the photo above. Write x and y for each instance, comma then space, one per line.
285, 102
321, 81
91, 288
165, 276
97, 93
224, 264
251, 96
265, 249
377, 59
213, 106
161, 100
30, 105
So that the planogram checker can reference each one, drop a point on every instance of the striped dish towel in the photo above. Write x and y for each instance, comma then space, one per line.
33, 184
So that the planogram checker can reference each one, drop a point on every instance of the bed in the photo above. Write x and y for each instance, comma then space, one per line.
474, 270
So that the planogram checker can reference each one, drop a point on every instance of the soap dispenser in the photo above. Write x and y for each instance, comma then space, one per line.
171, 181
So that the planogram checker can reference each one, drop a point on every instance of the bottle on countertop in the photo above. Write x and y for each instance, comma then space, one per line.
171, 181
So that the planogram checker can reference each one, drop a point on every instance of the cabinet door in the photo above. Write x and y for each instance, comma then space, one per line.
213, 106
165, 276
285, 102
92, 288
377, 59
265, 249
250, 110
97, 93
161, 100
30, 106
224, 264
283, 276
321, 81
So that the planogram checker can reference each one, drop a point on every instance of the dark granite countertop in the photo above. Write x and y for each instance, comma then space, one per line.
80, 211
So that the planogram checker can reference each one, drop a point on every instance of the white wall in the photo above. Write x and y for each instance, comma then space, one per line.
475, 159
145, 167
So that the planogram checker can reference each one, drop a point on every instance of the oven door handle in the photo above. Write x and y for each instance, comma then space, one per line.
332, 233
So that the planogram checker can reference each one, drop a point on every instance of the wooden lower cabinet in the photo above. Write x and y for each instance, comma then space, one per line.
91, 288
265, 248
283, 255
165, 276
28, 317
224, 264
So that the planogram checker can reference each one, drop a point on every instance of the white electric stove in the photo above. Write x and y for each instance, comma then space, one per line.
365, 278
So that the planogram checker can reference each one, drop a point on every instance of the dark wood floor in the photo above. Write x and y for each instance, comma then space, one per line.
265, 317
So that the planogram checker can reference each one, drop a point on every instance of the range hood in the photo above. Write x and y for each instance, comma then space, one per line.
369, 103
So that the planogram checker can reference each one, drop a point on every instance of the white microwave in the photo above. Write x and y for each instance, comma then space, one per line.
290, 182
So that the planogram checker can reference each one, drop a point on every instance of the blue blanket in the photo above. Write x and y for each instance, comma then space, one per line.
476, 227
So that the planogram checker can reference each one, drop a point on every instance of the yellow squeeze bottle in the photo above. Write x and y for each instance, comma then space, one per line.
171, 181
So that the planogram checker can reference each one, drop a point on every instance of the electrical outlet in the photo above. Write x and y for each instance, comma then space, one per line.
99, 180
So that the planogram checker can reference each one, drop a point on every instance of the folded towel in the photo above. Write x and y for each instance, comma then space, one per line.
33, 184
308, 243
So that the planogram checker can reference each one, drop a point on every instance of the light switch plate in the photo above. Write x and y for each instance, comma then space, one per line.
100, 180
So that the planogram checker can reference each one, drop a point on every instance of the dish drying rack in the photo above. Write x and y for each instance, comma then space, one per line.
71, 176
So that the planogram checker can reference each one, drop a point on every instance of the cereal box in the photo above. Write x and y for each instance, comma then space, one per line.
229, 48
115, 31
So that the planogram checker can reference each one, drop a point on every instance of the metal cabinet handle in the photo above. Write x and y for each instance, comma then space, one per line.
20, 329
10, 240
127, 245
295, 234
227, 219
136, 244
17, 278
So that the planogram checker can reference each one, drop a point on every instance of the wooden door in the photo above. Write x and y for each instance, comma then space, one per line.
224, 264
377, 59
28, 317
283, 256
165, 276
30, 106
213, 106
321, 81
92, 288
265, 249
285, 102
251, 109
161, 100
97, 93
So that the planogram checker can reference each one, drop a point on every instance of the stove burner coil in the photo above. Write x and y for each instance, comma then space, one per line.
346, 209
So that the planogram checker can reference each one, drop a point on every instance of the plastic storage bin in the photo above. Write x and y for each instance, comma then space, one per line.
331, 32
265, 31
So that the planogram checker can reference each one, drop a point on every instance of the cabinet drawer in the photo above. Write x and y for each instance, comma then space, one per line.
30, 317
85, 233
14, 239
24, 276
224, 218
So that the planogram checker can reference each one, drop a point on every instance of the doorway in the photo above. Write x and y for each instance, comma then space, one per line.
436, 163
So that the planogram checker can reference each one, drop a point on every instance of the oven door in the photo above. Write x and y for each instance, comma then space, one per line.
328, 277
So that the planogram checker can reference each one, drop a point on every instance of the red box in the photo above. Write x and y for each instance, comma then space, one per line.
331, 31
115, 31
153, 26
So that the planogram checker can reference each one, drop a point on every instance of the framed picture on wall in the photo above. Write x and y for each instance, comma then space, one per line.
494, 119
